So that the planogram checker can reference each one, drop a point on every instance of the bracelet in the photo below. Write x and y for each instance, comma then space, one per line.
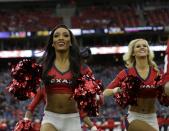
119, 90
116, 90
94, 128
97, 97
26, 119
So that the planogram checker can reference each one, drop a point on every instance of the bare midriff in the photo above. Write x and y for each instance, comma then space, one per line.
145, 106
61, 103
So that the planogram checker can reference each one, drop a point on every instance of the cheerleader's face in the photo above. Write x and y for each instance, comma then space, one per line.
61, 39
141, 49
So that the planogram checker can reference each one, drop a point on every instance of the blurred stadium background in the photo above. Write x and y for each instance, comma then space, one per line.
106, 27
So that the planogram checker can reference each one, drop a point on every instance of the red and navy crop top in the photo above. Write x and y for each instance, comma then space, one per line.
148, 90
62, 81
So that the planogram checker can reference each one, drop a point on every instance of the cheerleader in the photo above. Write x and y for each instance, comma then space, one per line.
140, 64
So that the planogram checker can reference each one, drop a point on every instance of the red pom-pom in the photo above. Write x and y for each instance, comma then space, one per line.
162, 97
26, 79
130, 86
164, 100
85, 94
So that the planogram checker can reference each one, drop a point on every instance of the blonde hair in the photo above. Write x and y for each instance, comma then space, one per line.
129, 59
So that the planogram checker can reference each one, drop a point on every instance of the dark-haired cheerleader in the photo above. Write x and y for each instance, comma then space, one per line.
62, 68
69, 85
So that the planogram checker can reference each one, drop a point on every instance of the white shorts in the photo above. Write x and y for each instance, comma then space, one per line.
63, 122
148, 118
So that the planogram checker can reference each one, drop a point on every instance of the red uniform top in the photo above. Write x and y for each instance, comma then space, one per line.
148, 90
60, 86
166, 64
62, 81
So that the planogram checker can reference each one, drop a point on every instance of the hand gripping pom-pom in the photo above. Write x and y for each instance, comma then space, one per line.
85, 94
162, 97
26, 79
130, 86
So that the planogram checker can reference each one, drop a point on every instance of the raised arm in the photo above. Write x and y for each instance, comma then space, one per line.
114, 86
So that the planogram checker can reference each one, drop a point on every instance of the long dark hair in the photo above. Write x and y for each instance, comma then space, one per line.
49, 56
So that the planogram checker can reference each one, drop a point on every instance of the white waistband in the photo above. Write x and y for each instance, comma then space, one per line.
143, 115
69, 115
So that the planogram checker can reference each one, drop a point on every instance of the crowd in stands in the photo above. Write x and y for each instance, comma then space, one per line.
157, 17
120, 16
93, 16
28, 19
96, 17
